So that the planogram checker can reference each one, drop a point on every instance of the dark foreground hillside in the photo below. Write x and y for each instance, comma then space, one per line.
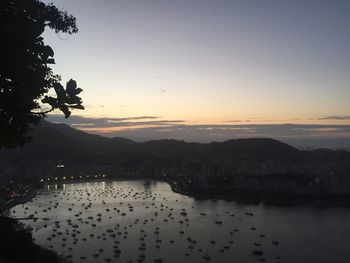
17, 245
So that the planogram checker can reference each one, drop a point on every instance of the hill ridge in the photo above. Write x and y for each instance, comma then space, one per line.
60, 141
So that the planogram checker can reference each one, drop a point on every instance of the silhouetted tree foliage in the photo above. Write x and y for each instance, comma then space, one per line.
25, 75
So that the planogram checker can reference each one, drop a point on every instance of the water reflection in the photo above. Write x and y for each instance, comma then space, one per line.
144, 221
147, 185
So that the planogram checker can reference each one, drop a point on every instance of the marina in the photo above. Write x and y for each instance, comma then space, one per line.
145, 221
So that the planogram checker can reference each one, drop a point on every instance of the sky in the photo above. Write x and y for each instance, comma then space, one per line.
156, 69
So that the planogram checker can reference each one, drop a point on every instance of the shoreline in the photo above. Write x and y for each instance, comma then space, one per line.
251, 197
277, 199
17, 201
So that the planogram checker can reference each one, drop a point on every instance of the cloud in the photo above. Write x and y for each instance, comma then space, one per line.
238, 121
207, 133
94, 124
336, 117
142, 128
93, 106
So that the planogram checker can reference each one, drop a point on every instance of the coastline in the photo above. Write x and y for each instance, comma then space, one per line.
271, 198
18, 200
251, 197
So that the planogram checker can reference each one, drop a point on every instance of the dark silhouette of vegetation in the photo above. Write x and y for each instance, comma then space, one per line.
17, 245
25, 75
25, 82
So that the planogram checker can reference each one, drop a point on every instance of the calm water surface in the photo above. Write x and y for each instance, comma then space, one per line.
144, 221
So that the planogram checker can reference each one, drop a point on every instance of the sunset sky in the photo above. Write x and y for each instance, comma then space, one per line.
164, 64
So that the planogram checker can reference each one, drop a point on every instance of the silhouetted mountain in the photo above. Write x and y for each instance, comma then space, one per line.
244, 148
61, 142
174, 148
257, 147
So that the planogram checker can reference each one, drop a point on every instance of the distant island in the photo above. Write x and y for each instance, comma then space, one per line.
240, 167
